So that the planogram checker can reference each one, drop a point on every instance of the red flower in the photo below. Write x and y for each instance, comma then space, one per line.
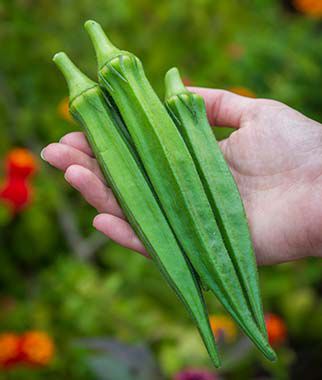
276, 329
9, 349
16, 191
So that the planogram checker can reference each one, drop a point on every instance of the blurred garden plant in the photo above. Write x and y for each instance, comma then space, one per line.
56, 275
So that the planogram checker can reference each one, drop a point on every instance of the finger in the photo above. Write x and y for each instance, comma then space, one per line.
93, 190
120, 231
62, 156
78, 141
224, 108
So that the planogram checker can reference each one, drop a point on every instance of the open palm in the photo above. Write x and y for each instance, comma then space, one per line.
275, 155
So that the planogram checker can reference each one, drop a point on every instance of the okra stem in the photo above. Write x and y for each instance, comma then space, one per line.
174, 84
77, 82
103, 46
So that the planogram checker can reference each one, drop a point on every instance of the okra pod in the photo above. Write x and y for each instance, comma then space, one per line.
188, 111
123, 173
174, 178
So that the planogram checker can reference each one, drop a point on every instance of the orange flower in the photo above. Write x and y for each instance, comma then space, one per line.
37, 348
21, 162
9, 349
63, 110
310, 7
243, 91
276, 329
223, 328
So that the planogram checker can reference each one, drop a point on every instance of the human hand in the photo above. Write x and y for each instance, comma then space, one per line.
275, 155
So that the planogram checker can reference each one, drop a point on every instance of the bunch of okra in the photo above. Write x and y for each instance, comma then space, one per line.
166, 169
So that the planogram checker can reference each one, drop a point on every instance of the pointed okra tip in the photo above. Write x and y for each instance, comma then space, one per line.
271, 354
103, 47
215, 358
77, 81
173, 84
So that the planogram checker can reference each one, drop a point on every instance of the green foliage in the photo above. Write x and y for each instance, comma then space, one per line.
46, 283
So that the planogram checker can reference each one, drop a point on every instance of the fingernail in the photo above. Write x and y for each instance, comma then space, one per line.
42, 155
95, 221
66, 176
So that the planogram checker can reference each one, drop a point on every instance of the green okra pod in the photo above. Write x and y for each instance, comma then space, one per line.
122, 171
189, 114
174, 178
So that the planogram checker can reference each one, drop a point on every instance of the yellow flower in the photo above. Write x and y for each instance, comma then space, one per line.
243, 91
223, 328
63, 110
310, 7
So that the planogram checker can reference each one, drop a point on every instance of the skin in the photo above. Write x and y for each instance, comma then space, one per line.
275, 155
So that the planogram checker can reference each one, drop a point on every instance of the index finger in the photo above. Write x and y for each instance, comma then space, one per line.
77, 140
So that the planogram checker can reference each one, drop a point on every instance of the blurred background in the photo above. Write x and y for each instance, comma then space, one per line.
74, 305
